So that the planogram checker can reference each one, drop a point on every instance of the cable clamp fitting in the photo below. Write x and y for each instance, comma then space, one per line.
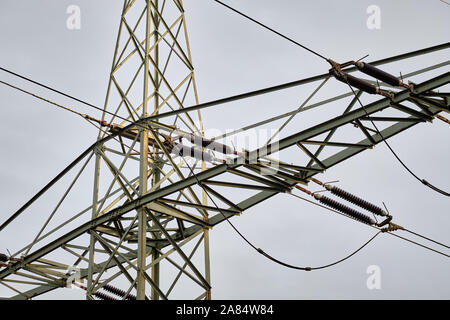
392, 227
386, 221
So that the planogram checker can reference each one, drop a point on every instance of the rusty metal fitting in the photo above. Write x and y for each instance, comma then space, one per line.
386, 221
384, 93
392, 227
102, 123
334, 65
15, 259
320, 183
442, 118
404, 85
304, 190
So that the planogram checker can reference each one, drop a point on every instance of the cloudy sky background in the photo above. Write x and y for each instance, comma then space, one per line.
231, 56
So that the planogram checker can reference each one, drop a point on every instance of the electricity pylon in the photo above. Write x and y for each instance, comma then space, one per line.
152, 72
151, 44
146, 231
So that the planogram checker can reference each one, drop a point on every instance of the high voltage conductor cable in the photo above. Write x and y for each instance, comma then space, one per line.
362, 66
93, 122
242, 236
43, 99
242, 95
426, 238
258, 249
87, 117
63, 94
270, 29
389, 230
419, 244
205, 143
423, 181
366, 205
261, 251
325, 266
355, 81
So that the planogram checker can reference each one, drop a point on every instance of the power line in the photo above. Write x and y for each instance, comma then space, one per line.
419, 244
378, 228
43, 99
272, 30
84, 116
63, 94
325, 266
426, 238
261, 251
212, 200
423, 181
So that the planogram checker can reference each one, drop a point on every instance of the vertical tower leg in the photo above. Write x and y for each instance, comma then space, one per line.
143, 169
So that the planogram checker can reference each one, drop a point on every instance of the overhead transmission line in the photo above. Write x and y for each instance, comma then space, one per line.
423, 181
268, 256
386, 230
272, 30
346, 78
193, 173
328, 60
88, 118
259, 250
40, 84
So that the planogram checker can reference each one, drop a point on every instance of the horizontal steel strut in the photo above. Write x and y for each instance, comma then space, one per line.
419, 90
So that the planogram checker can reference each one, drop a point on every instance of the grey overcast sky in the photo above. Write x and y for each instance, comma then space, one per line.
231, 55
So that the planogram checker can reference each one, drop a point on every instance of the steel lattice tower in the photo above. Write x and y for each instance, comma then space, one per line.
152, 42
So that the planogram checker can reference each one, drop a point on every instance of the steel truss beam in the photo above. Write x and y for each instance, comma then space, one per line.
161, 200
142, 221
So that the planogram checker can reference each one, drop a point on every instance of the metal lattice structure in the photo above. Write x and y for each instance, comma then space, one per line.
149, 213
